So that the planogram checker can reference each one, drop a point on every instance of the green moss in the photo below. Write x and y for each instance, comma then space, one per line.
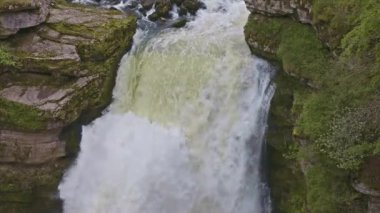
100, 54
304, 56
109, 38
317, 110
20, 116
30, 188
119, 34
328, 189
362, 40
6, 59
294, 44
335, 18
346, 75
288, 187
74, 30
287, 181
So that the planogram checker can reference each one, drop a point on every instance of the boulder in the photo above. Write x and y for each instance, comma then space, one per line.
179, 23
163, 8
153, 17
19, 14
368, 183
147, 4
192, 6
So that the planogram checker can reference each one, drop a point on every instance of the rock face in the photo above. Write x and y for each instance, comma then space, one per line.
57, 72
301, 9
327, 58
63, 67
19, 14
374, 197
163, 7
30, 147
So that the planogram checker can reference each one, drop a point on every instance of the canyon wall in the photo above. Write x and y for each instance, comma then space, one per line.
324, 137
58, 64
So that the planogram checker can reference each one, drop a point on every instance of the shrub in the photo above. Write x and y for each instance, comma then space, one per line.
6, 58
352, 136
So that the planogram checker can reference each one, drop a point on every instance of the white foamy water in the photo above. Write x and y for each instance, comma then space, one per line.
185, 131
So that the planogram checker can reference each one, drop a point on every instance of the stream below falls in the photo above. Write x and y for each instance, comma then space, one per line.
186, 129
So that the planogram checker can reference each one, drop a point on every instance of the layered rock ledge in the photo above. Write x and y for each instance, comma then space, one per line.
19, 14
299, 9
61, 69
51, 75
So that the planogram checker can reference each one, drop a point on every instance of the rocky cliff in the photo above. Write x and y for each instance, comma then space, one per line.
57, 68
324, 128
19, 14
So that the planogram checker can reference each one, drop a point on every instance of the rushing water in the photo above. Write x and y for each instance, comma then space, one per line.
185, 131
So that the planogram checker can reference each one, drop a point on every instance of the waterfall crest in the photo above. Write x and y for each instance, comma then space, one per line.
185, 131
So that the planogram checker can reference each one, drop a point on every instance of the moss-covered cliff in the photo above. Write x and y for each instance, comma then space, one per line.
325, 119
52, 77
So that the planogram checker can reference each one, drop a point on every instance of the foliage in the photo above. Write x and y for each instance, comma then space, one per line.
20, 116
337, 112
296, 45
335, 18
367, 33
352, 135
6, 59
328, 189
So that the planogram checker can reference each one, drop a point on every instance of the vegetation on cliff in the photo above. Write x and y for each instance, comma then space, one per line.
335, 116
6, 59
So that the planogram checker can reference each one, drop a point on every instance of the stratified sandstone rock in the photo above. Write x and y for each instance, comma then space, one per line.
62, 68
300, 8
18, 14
30, 147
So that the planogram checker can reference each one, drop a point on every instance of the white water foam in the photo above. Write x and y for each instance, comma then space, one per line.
185, 132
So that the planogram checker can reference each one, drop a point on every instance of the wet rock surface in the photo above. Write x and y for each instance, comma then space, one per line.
158, 9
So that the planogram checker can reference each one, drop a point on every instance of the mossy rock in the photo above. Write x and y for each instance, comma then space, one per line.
65, 51
163, 8
30, 188
192, 6
336, 64
179, 23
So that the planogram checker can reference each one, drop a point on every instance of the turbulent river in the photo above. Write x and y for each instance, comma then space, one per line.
185, 131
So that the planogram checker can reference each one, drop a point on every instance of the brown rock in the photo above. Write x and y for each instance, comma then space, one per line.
29, 148
302, 10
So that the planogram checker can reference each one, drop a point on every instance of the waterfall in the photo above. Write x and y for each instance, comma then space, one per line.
186, 128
